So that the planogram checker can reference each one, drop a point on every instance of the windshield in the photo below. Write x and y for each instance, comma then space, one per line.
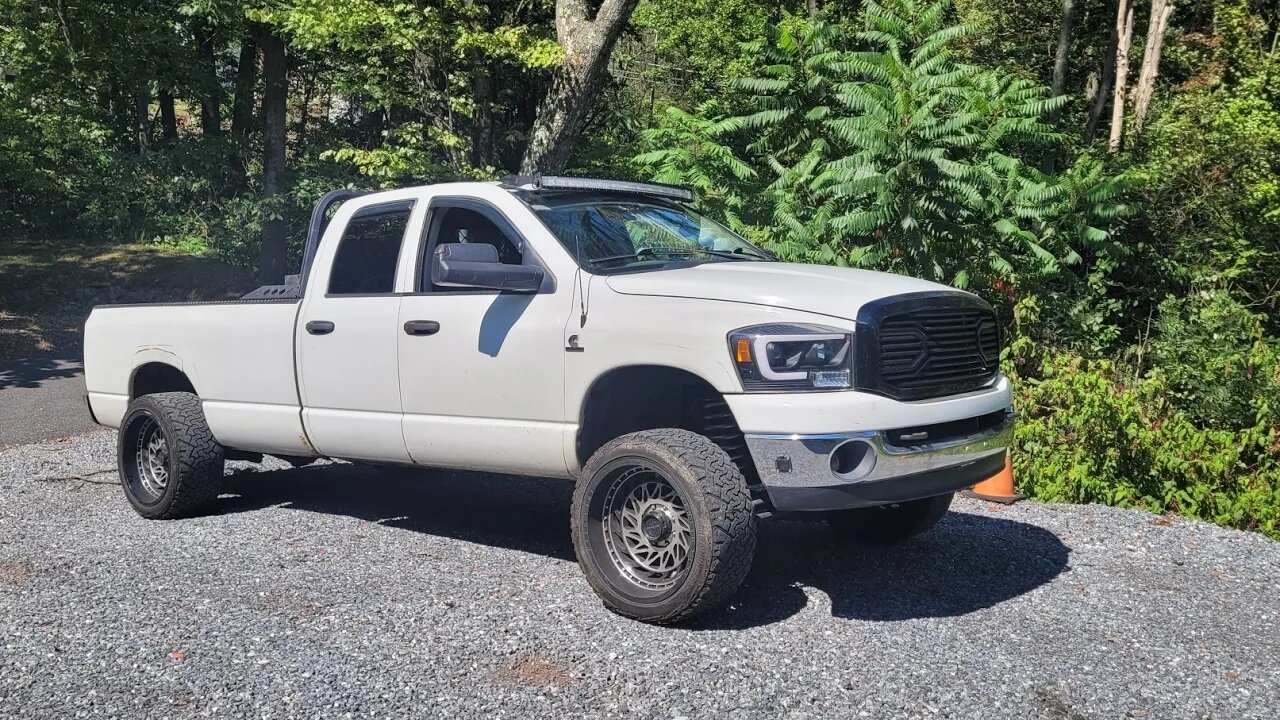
620, 233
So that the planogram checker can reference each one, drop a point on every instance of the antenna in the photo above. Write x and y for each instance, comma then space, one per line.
582, 301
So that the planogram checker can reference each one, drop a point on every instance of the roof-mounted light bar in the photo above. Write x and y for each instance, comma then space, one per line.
556, 182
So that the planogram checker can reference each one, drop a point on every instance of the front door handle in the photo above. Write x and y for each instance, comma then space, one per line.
319, 327
422, 327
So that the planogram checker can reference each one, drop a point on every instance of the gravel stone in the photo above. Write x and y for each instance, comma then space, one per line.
341, 590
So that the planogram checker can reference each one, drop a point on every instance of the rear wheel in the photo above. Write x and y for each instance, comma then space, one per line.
890, 524
663, 525
170, 464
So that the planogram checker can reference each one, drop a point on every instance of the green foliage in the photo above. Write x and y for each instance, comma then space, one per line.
402, 158
695, 45
885, 152
691, 151
1213, 163
1087, 433
1196, 433
1219, 367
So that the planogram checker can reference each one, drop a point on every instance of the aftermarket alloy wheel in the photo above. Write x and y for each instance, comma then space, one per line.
890, 524
663, 525
170, 464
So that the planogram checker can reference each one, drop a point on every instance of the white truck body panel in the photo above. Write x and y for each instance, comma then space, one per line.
834, 291
239, 357
349, 380
823, 413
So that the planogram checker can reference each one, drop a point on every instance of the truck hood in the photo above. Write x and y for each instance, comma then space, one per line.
834, 291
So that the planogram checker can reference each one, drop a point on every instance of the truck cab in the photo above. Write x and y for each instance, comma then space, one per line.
602, 332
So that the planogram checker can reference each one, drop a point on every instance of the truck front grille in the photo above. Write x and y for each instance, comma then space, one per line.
928, 346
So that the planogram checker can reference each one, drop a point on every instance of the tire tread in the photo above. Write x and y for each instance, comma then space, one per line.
732, 513
198, 459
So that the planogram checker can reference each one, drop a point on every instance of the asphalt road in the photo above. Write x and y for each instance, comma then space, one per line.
42, 399
346, 591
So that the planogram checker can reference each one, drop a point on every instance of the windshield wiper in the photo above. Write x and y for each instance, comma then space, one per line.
680, 252
739, 254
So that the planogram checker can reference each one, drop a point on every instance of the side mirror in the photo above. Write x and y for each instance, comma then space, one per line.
475, 265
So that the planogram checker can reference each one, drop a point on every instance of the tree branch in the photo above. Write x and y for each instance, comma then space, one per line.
615, 12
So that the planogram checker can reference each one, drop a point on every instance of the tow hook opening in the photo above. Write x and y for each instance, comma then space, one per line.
853, 460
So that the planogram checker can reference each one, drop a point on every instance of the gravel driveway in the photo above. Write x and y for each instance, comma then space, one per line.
335, 591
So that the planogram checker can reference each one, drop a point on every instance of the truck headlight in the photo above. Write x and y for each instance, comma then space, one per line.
792, 357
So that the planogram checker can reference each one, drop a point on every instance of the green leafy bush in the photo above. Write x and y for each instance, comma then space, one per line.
1220, 369
880, 150
1212, 166
1087, 433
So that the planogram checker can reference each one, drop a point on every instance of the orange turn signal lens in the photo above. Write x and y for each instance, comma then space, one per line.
742, 350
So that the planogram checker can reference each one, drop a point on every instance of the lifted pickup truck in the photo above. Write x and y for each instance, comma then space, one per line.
597, 331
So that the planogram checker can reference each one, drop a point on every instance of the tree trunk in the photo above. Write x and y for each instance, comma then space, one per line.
481, 114
562, 116
246, 73
207, 77
1060, 58
1124, 31
1104, 86
1160, 12
142, 117
304, 114
168, 116
1063, 54
242, 109
274, 97
433, 81
481, 151
124, 118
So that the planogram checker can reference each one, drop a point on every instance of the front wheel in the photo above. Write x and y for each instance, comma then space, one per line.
890, 524
663, 525
170, 464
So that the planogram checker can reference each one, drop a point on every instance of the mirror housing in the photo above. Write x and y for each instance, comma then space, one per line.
475, 265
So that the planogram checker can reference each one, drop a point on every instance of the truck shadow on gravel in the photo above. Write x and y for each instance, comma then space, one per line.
967, 563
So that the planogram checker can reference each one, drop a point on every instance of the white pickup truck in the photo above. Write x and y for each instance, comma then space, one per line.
597, 331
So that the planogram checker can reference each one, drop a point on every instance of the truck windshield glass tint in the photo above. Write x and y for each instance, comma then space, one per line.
609, 235
366, 258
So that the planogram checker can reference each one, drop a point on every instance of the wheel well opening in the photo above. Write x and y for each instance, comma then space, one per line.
156, 377
645, 397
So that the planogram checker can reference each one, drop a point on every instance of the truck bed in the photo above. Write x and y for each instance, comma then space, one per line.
238, 354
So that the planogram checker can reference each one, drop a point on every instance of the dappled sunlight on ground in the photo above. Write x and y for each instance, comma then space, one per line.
46, 291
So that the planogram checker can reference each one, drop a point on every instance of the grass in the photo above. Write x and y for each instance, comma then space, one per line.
47, 289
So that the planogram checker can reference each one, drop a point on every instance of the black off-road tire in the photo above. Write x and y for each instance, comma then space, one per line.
890, 524
720, 516
194, 461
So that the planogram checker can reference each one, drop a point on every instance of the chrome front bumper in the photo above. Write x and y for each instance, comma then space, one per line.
799, 474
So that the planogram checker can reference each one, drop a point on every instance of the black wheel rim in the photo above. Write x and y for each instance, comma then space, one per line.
146, 459
641, 529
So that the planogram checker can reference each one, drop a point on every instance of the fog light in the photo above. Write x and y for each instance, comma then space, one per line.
829, 378
853, 460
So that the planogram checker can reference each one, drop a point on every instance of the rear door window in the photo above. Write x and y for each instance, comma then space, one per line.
365, 263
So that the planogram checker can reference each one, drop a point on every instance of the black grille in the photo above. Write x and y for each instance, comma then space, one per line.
930, 346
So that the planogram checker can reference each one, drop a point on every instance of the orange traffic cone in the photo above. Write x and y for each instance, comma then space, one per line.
998, 487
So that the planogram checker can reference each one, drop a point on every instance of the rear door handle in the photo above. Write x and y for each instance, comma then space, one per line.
422, 327
319, 327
